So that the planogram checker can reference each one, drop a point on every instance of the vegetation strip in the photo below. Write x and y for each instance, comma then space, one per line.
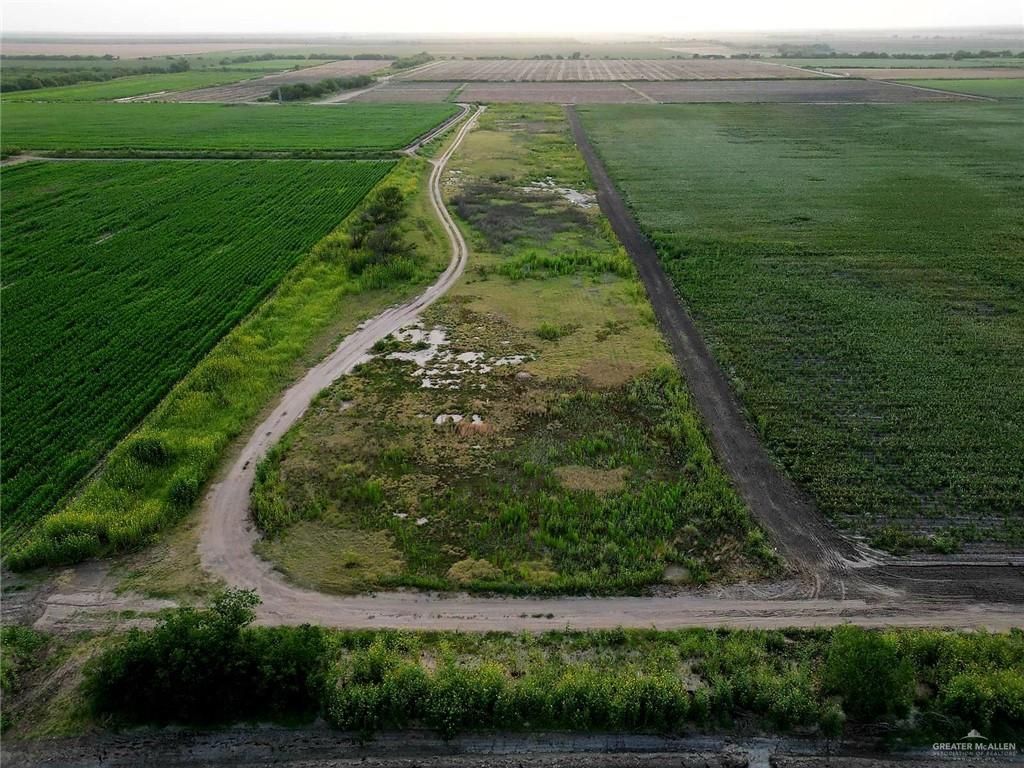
916, 686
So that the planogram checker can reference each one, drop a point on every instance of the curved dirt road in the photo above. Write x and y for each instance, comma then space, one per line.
228, 535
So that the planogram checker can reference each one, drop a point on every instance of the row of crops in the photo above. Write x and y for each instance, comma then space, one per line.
158, 127
119, 277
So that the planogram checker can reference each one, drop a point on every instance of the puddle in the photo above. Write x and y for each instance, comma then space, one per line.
438, 367
574, 196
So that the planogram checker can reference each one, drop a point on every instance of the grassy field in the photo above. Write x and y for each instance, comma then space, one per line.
114, 289
862, 288
135, 85
906, 687
154, 477
215, 127
543, 441
997, 88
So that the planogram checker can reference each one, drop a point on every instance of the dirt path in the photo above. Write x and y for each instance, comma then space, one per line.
228, 534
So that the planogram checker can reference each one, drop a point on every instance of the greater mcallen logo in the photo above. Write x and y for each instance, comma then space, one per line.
975, 743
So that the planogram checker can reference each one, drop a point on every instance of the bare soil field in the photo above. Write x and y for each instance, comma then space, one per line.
935, 73
552, 93
251, 90
395, 90
815, 91
596, 70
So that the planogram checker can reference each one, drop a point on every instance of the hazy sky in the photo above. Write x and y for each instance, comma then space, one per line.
494, 17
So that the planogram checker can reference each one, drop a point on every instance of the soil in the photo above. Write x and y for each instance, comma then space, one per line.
319, 747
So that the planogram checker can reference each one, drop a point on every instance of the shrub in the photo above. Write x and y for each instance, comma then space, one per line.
151, 451
206, 666
868, 671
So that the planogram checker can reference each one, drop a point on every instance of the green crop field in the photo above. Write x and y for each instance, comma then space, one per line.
216, 127
862, 287
119, 276
135, 85
1007, 88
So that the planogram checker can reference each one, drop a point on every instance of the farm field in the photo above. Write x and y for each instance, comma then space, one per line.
410, 91
861, 289
1000, 89
114, 289
821, 90
215, 127
588, 70
531, 435
256, 89
134, 85
859, 63
952, 73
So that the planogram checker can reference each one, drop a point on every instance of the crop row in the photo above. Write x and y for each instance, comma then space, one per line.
216, 127
120, 276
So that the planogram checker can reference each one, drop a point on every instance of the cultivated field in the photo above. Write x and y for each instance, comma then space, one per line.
791, 223
180, 128
134, 85
811, 91
936, 73
254, 90
588, 70
998, 88
868, 63
113, 290
405, 91
531, 434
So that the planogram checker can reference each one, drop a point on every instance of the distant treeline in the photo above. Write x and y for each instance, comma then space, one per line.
59, 57
271, 56
407, 62
820, 51
27, 79
299, 91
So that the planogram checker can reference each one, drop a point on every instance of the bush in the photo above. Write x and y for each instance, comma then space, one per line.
868, 671
207, 666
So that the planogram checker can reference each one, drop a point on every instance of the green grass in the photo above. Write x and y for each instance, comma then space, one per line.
135, 85
216, 127
590, 474
1000, 88
154, 476
850, 63
863, 290
114, 289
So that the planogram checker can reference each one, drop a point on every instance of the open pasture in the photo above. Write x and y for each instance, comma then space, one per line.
181, 128
590, 70
862, 288
114, 289
253, 90
531, 434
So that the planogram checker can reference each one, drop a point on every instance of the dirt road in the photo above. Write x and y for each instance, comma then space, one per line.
228, 535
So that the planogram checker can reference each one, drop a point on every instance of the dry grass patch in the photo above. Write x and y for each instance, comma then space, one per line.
599, 481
